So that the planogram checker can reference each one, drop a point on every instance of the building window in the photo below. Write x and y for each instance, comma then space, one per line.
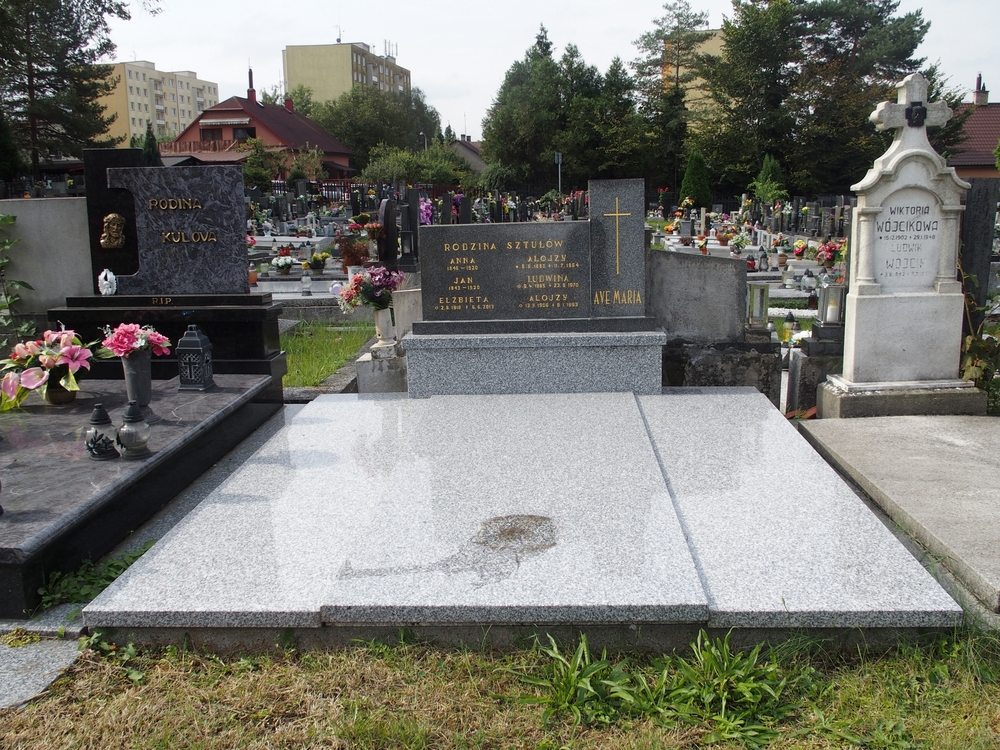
173, 111
241, 134
143, 77
132, 106
147, 107
170, 82
145, 92
133, 122
211, 134
130, 74
172, 98
130, 90
173, 126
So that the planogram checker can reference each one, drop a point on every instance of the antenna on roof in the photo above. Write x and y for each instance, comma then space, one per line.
339, 33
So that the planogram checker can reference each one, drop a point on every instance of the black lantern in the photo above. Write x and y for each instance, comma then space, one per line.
100, 436
194, 357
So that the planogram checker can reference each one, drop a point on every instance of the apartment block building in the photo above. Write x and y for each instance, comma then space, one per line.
334, 69
170, 101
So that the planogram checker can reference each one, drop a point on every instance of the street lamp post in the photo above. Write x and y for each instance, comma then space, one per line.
425, 139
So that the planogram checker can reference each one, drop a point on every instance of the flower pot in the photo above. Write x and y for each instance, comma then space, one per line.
828, 264
782, 260
138, 376
56, 395
284, 271
316, 266
704, 251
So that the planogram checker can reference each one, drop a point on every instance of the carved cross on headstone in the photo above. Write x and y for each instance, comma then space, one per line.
911, 108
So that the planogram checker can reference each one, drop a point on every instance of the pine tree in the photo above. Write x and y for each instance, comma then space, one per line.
11, 163
150, 149
50, 78
695, 185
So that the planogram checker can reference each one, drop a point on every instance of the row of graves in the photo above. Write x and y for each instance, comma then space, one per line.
535, 397
536, 429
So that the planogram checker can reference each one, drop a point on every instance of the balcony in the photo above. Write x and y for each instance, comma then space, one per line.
187, 147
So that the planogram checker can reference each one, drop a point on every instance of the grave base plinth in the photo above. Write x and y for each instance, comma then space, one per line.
534, 363
840, 399
243, 329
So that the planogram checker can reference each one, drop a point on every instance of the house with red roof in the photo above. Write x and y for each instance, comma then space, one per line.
217, 133
982, 131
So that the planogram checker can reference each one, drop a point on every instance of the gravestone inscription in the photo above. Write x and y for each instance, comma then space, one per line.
190, 228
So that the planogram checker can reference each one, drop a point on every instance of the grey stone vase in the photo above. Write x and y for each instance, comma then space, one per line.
139, 376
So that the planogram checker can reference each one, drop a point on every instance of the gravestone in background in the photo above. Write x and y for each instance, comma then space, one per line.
190, 227
388, 245
905, 306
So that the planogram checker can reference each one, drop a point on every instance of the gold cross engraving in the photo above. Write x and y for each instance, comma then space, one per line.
617, 214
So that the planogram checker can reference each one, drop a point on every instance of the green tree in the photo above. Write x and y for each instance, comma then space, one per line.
748, 86
263, 164
770, 183
621, 133
666, 67
520, 126
50, 79
11, 163
438, 164
947, 140
150, 149
695, 184
363, 118
854, 53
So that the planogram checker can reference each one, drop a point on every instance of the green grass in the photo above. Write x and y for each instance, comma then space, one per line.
937, 694
317, 350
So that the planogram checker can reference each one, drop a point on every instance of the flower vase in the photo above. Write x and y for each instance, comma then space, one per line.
56, 395
139, 376
828, 264
385, 347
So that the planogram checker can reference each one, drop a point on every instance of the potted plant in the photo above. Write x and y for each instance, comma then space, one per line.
739, 242
47, 366
780, 246
723, 238
316, 261
353, 253
283, 261
827, 253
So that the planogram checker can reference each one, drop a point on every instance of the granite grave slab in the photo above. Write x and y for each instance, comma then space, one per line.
494, 511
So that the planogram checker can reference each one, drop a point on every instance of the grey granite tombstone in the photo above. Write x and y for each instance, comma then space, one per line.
617, 242
388, 246
191, 233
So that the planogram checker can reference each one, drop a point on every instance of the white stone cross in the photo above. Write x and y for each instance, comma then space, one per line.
911, 109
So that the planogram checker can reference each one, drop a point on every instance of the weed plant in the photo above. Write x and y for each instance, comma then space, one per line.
88, 581
317, 350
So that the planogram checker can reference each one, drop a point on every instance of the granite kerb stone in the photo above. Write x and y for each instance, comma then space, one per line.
534, 340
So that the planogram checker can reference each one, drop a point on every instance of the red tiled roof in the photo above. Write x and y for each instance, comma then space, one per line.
983, 131
292, 128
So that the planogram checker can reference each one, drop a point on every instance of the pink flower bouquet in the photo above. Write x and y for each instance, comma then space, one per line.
57, 357
131, 337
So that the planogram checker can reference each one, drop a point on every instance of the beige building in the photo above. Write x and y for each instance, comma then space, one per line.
334, 69
169, 100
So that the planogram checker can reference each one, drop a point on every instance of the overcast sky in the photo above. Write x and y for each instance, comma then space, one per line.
458, 52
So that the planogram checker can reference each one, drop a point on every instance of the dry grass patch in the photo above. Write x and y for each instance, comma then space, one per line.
943, 694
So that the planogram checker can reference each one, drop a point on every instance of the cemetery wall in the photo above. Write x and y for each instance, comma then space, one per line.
53, 254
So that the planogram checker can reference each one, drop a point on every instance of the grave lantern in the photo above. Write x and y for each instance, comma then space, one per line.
194, 358
100, 436
307, 283
809, 281
831, 304
757, 304
133, 435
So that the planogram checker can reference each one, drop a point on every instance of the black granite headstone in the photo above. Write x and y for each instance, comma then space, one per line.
191, 232
388, 246
465, 210
495, 271
617, 243
978, 223
103, 201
